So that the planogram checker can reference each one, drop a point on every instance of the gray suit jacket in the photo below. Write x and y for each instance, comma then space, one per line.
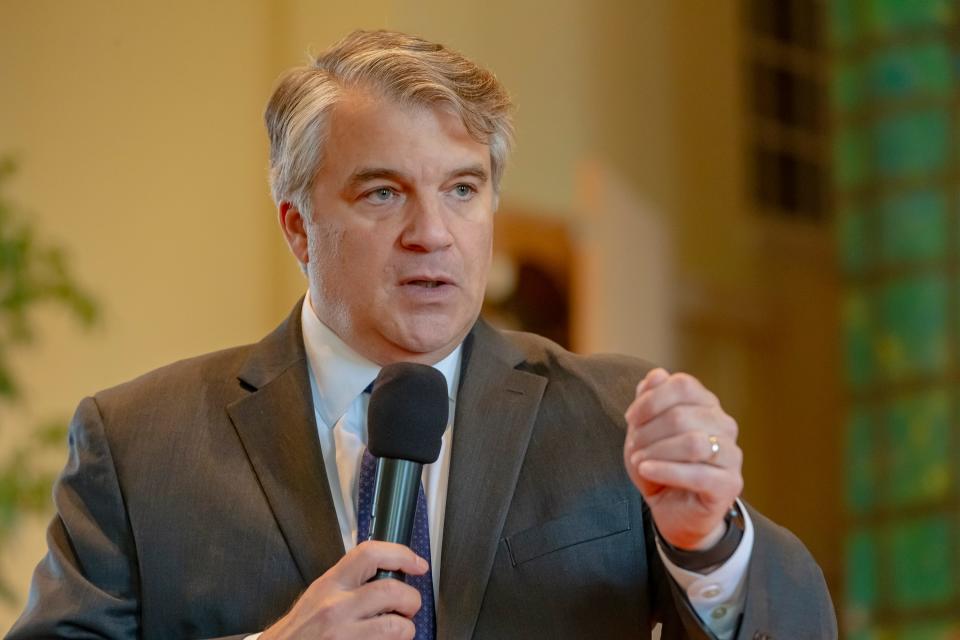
195, 504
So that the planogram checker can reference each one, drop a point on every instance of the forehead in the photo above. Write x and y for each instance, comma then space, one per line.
369, 130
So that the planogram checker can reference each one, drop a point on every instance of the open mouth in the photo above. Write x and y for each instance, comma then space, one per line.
426, 283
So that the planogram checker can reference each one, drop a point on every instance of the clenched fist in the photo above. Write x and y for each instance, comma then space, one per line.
681, 452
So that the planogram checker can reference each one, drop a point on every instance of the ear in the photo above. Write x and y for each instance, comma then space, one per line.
294, 230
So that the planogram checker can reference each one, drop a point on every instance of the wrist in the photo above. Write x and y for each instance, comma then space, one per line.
713, 550
711, 539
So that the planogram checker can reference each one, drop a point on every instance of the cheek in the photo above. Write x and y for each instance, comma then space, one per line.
478, 258
331, 254
365, 262
482, 248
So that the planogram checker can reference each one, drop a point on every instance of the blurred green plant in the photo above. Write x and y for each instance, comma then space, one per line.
32, 273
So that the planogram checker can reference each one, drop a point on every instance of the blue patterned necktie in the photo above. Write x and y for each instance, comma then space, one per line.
425, 620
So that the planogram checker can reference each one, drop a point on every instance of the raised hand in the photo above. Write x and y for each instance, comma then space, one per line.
681, 452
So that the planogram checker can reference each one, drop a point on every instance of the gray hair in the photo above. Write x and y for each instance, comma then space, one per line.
405, 68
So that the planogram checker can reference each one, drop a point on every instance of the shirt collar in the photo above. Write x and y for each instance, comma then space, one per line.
338, 374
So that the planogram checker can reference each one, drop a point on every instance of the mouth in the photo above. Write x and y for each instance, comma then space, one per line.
426, 283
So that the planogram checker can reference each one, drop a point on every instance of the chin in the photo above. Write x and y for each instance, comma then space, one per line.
426, 344
427, 338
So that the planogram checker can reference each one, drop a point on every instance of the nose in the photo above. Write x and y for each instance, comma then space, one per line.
426, 228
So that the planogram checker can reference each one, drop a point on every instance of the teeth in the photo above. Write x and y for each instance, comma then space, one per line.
429, 284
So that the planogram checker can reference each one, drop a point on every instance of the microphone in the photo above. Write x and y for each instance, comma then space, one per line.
405, 420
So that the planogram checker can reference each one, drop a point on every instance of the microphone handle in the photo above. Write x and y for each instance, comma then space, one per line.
394, 505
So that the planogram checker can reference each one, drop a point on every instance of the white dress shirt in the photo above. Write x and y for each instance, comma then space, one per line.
338, 376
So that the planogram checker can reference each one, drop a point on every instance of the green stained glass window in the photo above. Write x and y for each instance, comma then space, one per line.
957, 205
923, 70
918, 448
861, 579
858, 339
853, 239
914, 227
851, 158
847, 87
912, 338
913, 144
934, 630
873, 633
894, 74
861, 460
921, 562
844, 21
893, 17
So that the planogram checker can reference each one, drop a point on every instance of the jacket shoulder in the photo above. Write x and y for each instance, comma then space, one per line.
173, 393
609, 378
188, 374
546, 357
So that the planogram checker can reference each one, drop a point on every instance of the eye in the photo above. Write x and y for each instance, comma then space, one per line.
464, 191
380, 195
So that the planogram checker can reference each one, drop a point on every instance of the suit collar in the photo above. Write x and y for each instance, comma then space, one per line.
277, 352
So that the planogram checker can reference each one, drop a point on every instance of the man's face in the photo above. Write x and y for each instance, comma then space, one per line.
399, 239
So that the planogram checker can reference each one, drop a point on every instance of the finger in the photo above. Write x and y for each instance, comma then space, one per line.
654, 378
692, 446
678, 389
384, 596
682, 419
388, 626
712, 484
363, 561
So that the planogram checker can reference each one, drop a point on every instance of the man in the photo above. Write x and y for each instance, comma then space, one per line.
574, 497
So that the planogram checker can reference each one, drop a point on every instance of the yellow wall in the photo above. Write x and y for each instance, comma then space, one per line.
138, 132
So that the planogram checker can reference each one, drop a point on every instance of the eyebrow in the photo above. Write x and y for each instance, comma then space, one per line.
362, 176
475, 170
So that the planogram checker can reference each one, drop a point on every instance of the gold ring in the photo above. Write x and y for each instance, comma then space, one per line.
714, 447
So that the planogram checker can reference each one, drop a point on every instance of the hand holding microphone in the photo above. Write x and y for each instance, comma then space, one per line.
405, 421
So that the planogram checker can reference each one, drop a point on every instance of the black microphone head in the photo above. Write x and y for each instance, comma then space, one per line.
408, 412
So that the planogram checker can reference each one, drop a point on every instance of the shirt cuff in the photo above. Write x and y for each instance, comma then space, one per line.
253, 637
718, 597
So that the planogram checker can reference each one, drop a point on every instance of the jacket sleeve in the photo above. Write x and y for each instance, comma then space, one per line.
86, 584
786, 594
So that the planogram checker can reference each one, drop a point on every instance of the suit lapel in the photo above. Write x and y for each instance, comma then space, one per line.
496, 408
276, 424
